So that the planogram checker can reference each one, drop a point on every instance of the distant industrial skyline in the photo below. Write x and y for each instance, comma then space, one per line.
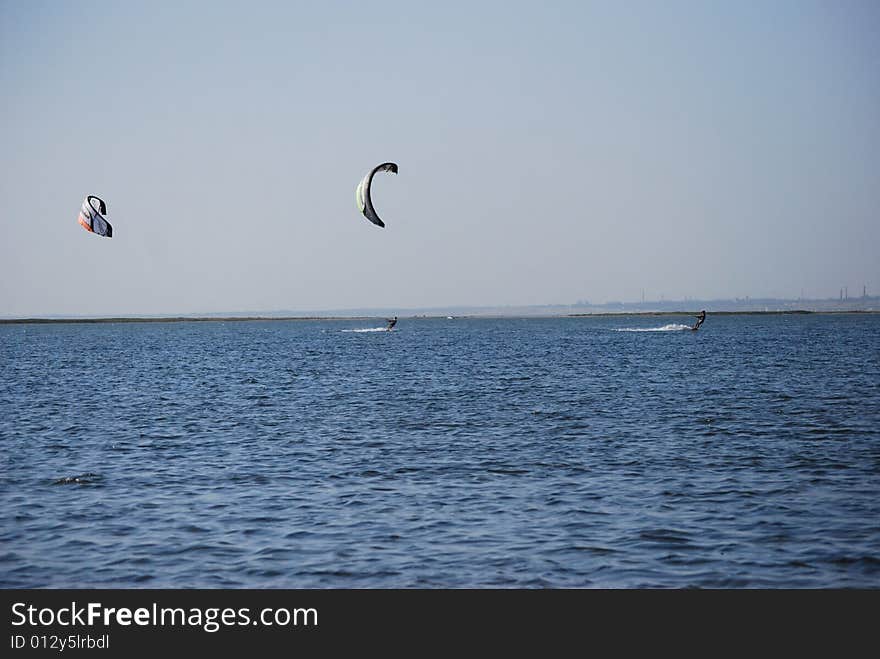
747, 304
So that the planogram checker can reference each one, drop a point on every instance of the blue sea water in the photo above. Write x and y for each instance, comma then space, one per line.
514, 453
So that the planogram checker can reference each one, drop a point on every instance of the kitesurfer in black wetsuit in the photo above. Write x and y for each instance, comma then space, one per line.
391, 323
700, 318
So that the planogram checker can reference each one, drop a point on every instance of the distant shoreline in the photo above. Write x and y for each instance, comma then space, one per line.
778, 312
230, 319
167, 319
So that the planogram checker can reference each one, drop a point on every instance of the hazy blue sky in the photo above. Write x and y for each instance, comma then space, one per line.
548, 152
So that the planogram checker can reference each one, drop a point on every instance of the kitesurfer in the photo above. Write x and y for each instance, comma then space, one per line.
391, 323
700, 318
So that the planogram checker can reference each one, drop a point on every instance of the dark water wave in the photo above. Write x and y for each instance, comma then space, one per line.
447, 453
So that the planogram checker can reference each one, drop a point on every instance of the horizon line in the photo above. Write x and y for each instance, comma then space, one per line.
721, 305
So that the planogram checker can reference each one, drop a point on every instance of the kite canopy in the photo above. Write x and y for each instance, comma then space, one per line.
91, 216
362, 194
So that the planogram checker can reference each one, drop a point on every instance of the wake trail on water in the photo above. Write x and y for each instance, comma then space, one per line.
672, 327
367, 329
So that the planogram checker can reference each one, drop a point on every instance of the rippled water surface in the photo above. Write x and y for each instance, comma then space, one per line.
446, 453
